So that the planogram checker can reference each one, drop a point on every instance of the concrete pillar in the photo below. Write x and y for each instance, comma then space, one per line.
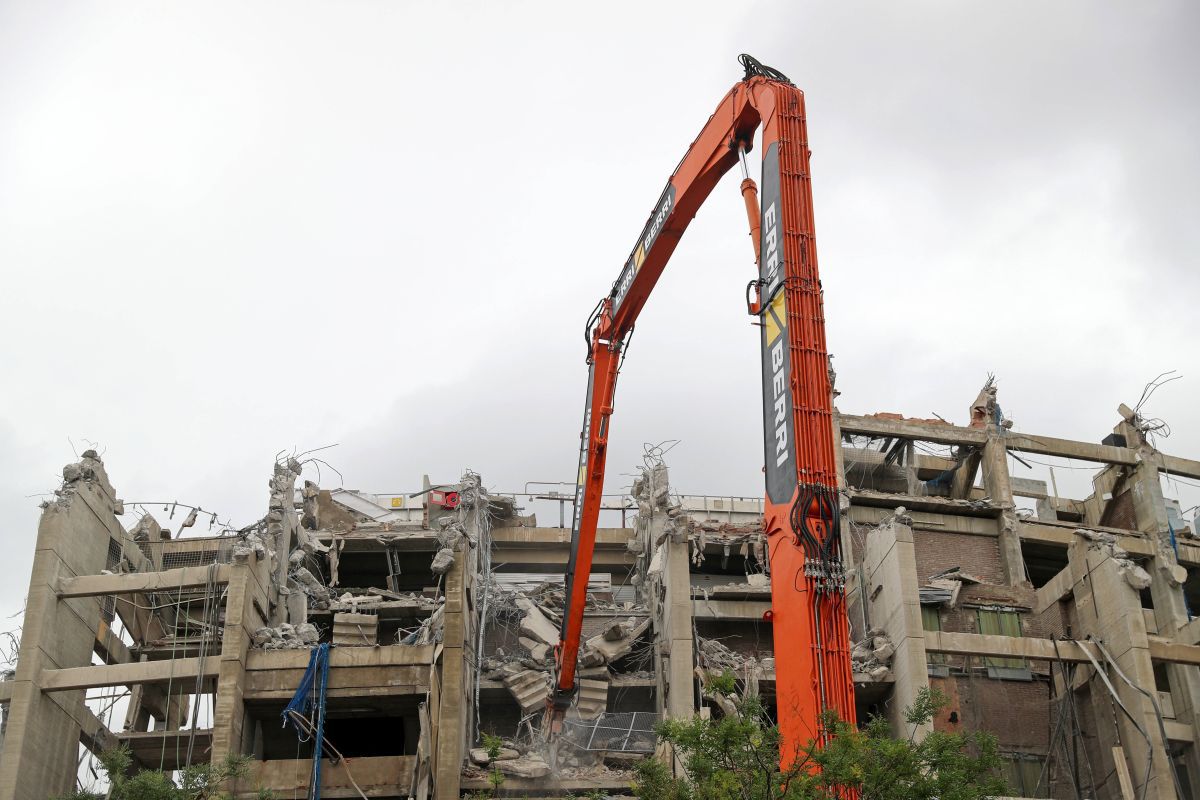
892, 590
681, 699
42, 738
454, 695
1166, 586
1109, 609
248, 581
994, 460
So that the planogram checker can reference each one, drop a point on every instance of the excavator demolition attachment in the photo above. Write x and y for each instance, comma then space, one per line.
802, 514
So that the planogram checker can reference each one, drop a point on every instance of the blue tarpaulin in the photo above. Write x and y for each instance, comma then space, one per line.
310, 698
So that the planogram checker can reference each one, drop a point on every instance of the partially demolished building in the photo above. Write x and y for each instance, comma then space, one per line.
1064, 629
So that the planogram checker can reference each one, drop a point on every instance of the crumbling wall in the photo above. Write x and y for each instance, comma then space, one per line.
43, 729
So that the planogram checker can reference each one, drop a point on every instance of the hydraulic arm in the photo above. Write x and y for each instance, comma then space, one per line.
801, 512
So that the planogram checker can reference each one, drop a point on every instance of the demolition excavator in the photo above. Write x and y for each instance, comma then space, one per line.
801, 512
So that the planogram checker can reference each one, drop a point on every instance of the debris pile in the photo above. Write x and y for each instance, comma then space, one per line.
511, 761
301, 579
616, 641
533, 618
1134, 575
286, 637
872, 656
430, 631
717, 659
944, 587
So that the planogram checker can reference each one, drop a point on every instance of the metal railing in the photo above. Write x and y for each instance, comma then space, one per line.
622, 732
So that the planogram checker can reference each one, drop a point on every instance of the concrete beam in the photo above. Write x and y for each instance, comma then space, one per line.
182, 672
1026, 443
978, 644
1063, 534
1184, 467
141, 582
975, 644
110, 647
1059, 587
1067, 448
540, 537
392, 655
908, 429
730, 609
377, 776
1174, 652
93, 733
531, 560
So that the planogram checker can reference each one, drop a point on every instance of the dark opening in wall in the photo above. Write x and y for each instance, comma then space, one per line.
356, 727
1043, 561
360, 736
1191, 590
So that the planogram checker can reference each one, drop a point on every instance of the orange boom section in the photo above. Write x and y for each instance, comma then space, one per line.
802, 514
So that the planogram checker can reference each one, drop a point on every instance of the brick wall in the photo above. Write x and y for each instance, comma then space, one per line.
1017, 713
978, 555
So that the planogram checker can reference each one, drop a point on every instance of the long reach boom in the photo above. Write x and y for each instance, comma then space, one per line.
801, 513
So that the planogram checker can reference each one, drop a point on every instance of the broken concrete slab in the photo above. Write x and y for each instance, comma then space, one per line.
355, 630
602, 650
535, 625
537, 650
529, 688
528, 766
480, 755
591, 700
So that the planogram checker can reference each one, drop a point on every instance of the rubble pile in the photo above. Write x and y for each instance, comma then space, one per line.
301, 579
512, 760
944, 587
717, 659
1134, 575
535, 616
872, 655
430, 631
286, 637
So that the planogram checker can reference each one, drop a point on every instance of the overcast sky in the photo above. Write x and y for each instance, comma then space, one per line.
228, 229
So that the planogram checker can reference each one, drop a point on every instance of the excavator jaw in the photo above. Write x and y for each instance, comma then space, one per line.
557, 706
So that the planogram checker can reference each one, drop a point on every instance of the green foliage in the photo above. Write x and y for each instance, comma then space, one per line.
736, 757
197, 782
492, 744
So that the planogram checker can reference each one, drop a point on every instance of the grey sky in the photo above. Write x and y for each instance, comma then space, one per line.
229, 228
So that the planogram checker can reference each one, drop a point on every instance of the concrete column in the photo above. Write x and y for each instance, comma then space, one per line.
247, 581
1109, 609
994, 461
42, 740
452, 711
1166, 585
895, 606
681, 700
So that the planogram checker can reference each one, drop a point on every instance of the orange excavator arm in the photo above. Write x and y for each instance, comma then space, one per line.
801, 513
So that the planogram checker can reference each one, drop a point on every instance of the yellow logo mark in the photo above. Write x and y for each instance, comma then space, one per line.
775, 316
639, 257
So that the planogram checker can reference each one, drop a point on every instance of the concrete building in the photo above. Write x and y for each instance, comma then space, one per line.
1064, 631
